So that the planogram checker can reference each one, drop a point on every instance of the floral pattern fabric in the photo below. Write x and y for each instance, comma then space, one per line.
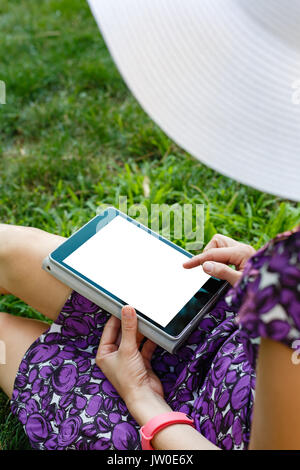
64, 401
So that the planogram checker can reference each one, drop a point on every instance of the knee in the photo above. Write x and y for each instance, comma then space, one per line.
22, 249
4, 322
14, 240
4, 325
6, 241
4, 318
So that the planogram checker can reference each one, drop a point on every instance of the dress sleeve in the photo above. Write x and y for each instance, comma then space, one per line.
271, 304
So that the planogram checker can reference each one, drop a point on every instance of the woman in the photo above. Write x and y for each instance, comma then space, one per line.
71, 395
232, 82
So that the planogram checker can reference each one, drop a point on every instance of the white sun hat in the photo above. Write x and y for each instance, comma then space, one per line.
220, 77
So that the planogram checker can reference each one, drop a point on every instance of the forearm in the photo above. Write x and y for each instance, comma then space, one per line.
173, 437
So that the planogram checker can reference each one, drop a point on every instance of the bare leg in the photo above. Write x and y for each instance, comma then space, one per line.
22, 250
16, 335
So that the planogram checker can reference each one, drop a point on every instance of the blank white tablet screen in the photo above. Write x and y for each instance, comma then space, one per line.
139, 269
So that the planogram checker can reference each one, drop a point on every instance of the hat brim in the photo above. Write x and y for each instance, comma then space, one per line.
217, 80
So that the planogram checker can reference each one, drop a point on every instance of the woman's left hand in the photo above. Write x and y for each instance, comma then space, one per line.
128, 369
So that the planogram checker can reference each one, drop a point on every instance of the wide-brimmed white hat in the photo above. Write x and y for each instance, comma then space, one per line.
220, 77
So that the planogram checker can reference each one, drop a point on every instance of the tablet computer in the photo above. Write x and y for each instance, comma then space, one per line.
114, 260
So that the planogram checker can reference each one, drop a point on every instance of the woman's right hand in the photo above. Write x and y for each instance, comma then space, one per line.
220, 252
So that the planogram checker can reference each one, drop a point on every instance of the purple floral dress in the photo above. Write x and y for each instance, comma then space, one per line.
64, 401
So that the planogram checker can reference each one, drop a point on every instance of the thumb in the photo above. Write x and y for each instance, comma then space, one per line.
129, 329
221, 271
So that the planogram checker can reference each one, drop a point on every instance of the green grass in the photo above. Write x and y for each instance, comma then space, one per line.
72, 137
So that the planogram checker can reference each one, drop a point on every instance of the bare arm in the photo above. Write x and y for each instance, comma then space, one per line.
277, 404
276, 412
177, 436
129, 370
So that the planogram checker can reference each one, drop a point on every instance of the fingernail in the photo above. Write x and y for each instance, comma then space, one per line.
127, 311
208, 267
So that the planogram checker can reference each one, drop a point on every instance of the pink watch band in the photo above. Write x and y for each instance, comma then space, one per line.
156, 424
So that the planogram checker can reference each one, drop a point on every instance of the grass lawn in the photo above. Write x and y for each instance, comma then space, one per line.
73, 137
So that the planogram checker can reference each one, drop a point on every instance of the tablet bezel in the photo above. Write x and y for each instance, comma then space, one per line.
184, 317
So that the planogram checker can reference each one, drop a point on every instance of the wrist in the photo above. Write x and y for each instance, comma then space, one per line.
144, 405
